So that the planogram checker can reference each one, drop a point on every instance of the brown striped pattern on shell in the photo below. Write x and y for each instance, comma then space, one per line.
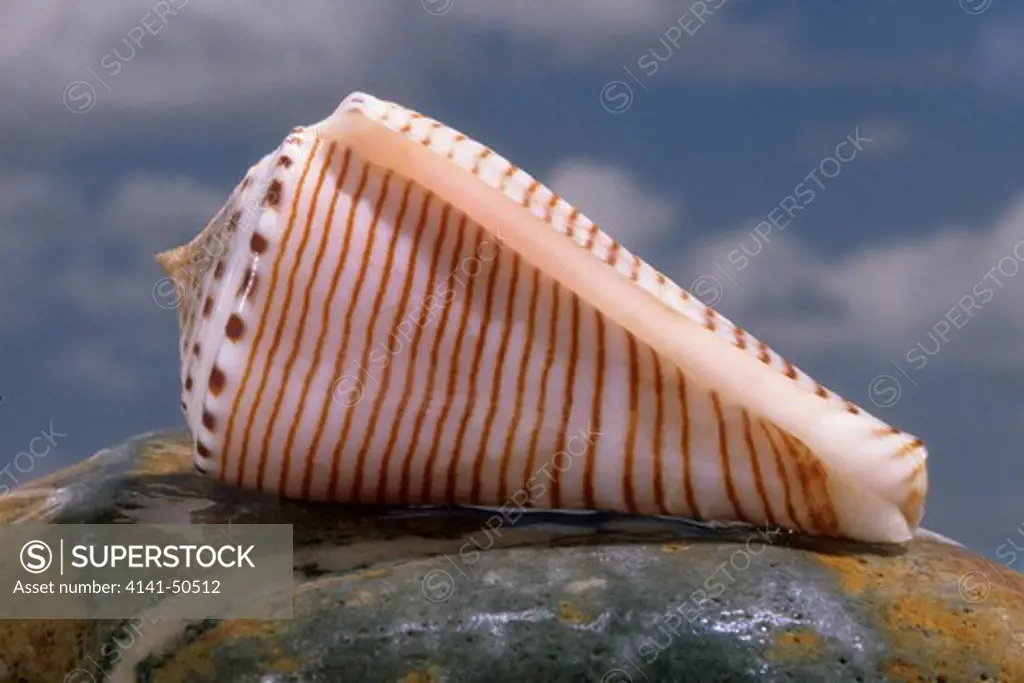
360, 339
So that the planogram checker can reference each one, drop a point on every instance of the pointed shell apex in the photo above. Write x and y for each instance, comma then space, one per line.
173, 260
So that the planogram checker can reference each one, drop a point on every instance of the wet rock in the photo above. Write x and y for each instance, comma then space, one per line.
460, 595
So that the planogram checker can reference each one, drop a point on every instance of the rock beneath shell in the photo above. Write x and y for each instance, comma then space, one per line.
460, 595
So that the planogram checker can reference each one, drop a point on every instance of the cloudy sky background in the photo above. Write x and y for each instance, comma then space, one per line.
108, 158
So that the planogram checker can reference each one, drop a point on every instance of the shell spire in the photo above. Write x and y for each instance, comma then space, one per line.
398, 314
173, 261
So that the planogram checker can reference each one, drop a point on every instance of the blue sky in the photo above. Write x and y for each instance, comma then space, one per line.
125, 129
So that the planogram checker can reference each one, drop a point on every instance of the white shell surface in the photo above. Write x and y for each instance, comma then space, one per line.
360, 338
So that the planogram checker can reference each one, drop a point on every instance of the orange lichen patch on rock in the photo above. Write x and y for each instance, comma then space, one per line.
431, 674
933, 630
894, 573
941, 606
187, 665
198, 658
851, 570
284, 665
861, 573
798, 644
675, 548
369, 574
37, 650
981, 578
230, 631
571, 613
907, 673
170, 457
360, 598
26, 506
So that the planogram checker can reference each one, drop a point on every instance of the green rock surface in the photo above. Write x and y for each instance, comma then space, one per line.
461, 595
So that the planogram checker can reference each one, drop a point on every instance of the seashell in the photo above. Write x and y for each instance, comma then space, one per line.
387, 311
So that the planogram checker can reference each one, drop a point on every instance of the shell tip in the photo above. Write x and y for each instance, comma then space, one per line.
172, 261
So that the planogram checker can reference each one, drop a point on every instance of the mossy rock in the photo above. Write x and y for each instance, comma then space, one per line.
459, 595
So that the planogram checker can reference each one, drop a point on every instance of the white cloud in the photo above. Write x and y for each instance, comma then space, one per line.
616, 200
707, 41
572, 33
89, 261
1000, 56
887, 137
98, 368
150, 211
222, 59
965, 282
882, 298
32, 207
94, 256
136, 68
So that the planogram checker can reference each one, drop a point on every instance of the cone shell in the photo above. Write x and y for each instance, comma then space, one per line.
386, 311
